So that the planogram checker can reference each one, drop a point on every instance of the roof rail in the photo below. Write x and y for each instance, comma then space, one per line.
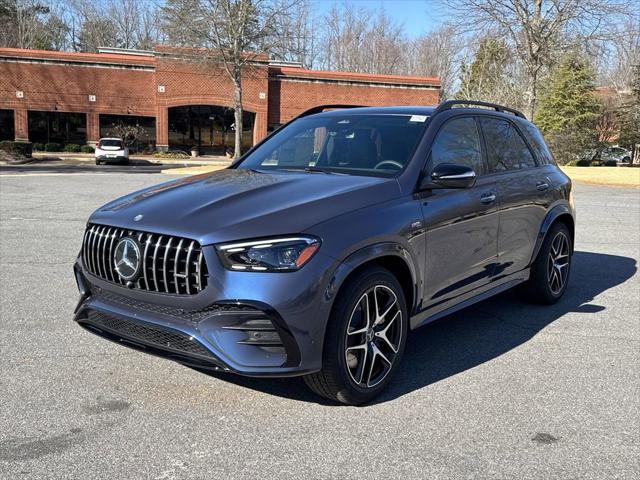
322, 108
449, 104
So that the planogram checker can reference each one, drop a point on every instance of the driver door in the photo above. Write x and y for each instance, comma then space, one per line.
461, 223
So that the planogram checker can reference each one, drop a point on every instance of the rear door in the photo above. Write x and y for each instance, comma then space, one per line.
523, 191
461, 224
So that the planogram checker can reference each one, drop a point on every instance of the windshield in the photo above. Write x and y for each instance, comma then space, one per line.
350, 144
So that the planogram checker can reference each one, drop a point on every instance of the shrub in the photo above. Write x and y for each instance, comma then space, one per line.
583, 162
171, 154
87, 149
72, 148
22, 148
610, 163
52, 147
38, 147
596, 163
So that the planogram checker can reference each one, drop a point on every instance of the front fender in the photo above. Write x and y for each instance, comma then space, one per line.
369, 254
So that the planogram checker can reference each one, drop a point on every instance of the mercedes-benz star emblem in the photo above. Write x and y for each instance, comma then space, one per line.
127, 259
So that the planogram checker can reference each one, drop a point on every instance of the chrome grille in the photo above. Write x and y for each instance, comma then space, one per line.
169, 264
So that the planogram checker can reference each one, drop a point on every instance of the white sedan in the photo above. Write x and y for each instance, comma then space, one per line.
111, 150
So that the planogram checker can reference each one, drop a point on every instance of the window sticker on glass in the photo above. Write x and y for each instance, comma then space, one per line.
418, 118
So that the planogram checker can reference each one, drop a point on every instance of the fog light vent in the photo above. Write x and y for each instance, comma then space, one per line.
259, 332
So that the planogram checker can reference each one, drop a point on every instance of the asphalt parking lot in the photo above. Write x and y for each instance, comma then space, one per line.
500, 390
66, 166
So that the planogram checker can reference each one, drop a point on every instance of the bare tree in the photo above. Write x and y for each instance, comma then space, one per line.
622, 53
229, 33
344, 31
538, 29
362, 40
127, 17
295, 36
22, 23
436, 54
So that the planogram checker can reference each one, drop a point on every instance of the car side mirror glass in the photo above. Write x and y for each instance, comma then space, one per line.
449, 175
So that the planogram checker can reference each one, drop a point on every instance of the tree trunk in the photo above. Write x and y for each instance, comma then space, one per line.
237, 99
531, 94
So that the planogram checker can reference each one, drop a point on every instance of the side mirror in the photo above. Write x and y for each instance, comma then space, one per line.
450, 175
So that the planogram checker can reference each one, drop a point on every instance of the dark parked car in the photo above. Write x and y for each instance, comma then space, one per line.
328, 242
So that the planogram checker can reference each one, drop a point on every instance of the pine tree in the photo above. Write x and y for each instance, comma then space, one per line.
485, 77
568, 109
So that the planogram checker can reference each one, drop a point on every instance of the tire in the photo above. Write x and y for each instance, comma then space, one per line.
349, 376
98, 162
550, 271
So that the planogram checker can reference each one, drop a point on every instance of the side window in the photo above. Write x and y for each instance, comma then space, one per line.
506, 150
458, 142
537, 143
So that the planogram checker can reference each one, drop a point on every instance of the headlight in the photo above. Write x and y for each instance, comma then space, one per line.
270, 255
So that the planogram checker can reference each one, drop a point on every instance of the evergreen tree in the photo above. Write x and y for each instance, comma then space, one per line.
569, 109
483, 78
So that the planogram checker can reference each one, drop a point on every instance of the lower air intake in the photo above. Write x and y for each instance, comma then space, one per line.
147, 334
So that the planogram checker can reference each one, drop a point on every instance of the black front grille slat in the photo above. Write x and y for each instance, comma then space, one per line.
186, 267
154, 269
145, 256
112, 241
164, 265
167, 265
103, 250
92, 251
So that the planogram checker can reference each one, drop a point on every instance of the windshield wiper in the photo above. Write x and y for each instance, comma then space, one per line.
319, 170
312, 169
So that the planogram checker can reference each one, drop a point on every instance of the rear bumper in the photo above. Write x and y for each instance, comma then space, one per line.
245, 336
119, 158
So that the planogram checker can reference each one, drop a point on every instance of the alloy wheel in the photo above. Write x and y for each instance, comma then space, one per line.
558, 263
373, 337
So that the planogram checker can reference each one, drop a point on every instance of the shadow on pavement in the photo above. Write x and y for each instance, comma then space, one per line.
477, 334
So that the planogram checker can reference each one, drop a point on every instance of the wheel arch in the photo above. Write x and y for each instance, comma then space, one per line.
559, 213
391, 256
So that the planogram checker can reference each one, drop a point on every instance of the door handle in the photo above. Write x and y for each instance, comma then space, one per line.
542, 186
487, 198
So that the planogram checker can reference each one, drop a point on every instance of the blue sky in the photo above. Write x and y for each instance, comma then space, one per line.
417, 16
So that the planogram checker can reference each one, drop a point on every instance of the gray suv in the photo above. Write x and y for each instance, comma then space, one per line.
320, 250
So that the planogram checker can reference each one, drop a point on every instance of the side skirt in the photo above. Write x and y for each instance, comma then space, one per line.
463, 301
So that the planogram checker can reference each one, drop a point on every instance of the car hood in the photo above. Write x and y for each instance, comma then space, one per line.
235, 204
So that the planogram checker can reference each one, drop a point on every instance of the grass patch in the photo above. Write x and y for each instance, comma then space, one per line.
612, 176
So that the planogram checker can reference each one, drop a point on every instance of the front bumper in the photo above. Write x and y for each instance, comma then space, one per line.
253, 324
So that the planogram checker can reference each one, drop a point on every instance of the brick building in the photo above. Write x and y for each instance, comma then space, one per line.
78, 97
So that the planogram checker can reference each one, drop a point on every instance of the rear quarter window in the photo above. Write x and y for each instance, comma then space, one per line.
537, 143
506, 149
